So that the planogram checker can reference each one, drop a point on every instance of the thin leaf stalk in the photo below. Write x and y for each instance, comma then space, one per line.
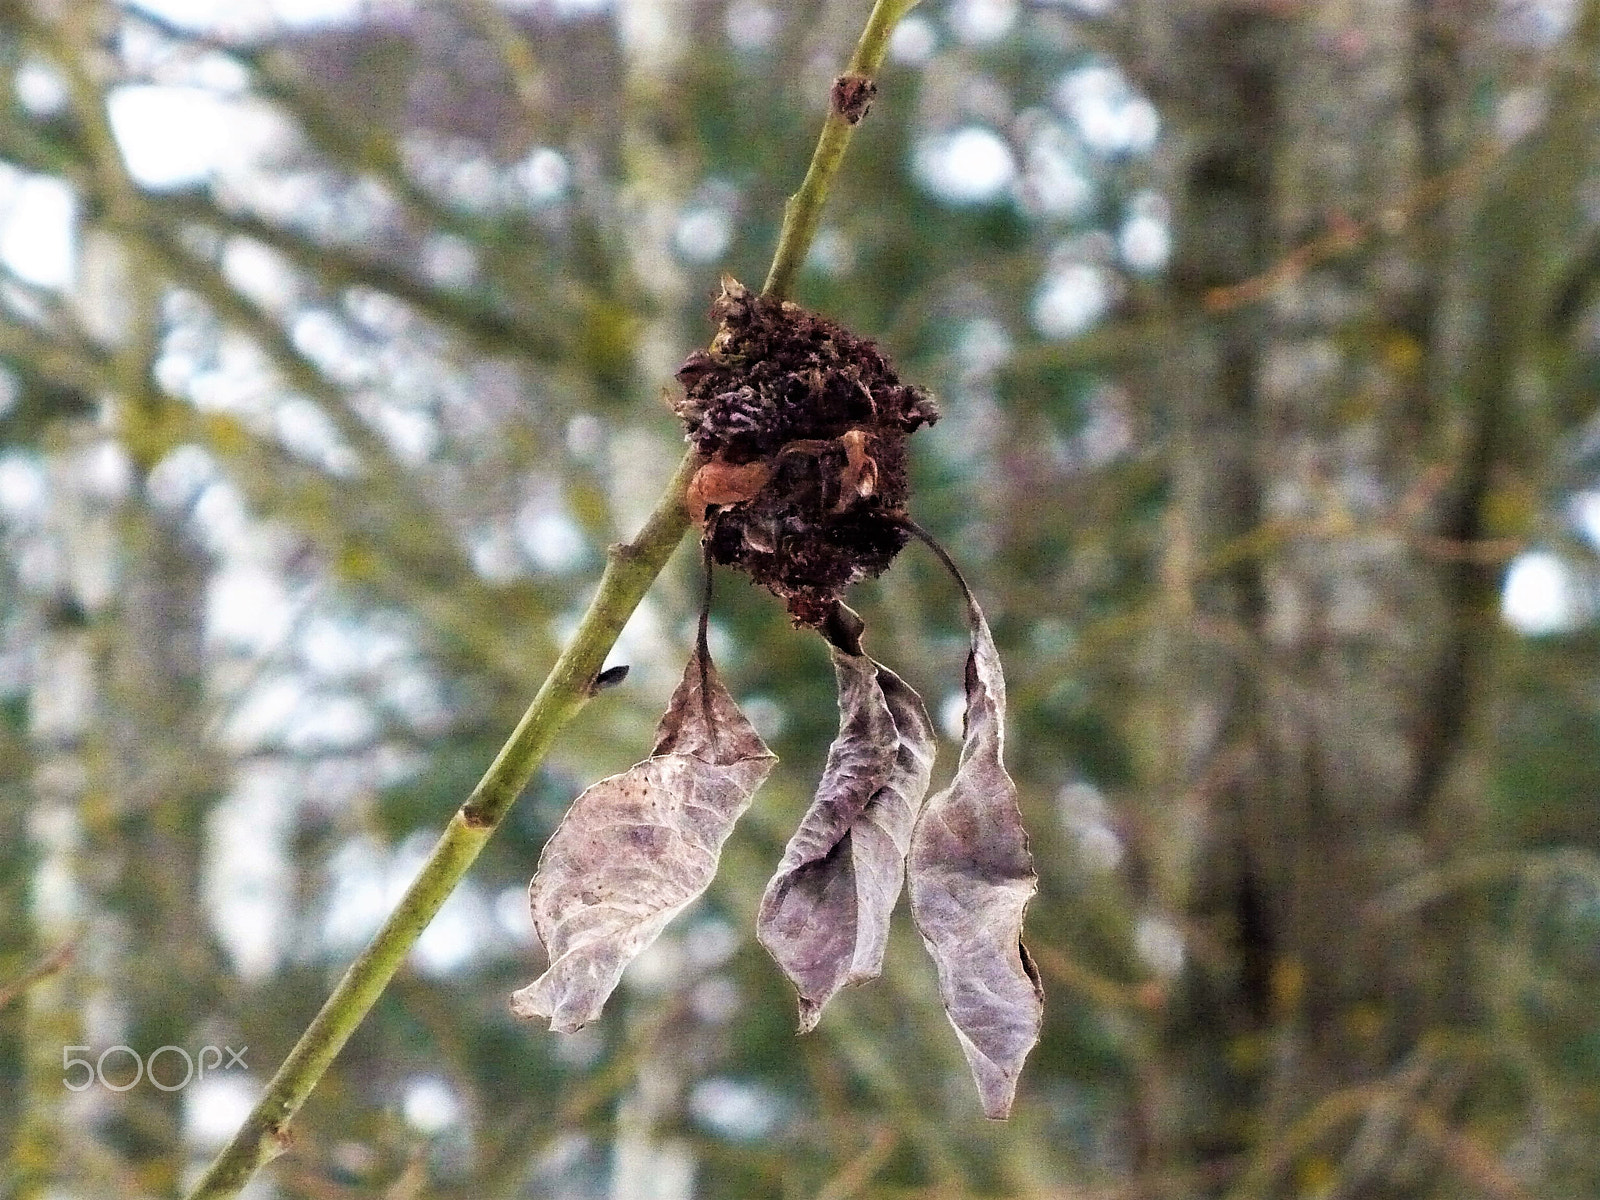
630, 571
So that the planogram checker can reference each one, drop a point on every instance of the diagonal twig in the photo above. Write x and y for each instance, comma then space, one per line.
631, 569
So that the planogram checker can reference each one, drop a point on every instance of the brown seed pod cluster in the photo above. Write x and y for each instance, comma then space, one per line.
804, 426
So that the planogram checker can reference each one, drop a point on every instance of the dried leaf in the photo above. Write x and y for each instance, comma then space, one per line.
825, 914
635, 849
723, 483
971, 877
860, 476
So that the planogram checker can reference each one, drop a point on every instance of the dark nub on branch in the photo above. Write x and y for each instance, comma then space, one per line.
803, 426
851, 96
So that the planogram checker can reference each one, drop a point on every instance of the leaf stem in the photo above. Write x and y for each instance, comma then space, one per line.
630, 570
804, 210
943, 555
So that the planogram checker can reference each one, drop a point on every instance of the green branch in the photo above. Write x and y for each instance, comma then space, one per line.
804, 210
630, 570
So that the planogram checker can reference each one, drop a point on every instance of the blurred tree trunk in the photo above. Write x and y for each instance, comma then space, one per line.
127, 774
1335, 437
163, 775
18, 950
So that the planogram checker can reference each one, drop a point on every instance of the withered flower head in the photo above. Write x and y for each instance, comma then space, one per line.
804, 427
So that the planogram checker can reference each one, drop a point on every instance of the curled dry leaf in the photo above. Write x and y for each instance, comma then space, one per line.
635, 849
971, 877
722, 483
860, 477
825, 914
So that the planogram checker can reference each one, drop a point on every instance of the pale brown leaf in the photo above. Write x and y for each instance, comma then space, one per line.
825, 914
635, 849
971, 877
721, 483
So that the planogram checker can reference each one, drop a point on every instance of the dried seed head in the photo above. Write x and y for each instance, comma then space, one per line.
804, 425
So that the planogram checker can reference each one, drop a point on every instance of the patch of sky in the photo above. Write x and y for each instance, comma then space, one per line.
38, 218
184, 135
586, 439
248, 608
1584, 512
378, 313
703, 233
1144, 240
38, 565
255, 18
1160, 943
170, 137
40, 87
982, 22
709, 942
737, 1109
449, 260
258, 718
716, 1000
1109, 115
914, 41
1072, 299
766, 714
542, 177
24, 488
413, 696
971, 165
1538, 22
454, 169
147, 53
248, 879
220, 516
549, 537
63, 694
177, 479
953, 715
411, 432
751, 25
832, 253
308, 433
495, 553
512, 915
215, 1107
366, 881
106, 471
1055, 180
983, 346
1541, 595
572, 10
340, 648
431, 1105
462, 932
1086, 817
225, 372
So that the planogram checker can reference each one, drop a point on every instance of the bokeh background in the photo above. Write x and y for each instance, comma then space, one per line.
333, 345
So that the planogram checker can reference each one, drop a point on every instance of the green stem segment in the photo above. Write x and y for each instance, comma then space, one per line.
630, 570
804, 210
